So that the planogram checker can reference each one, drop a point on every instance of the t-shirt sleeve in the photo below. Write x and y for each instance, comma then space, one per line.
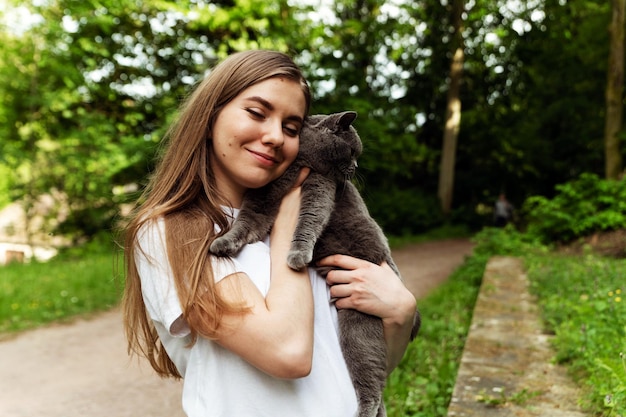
157, 279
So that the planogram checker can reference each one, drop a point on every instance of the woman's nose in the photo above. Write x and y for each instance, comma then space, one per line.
273, 135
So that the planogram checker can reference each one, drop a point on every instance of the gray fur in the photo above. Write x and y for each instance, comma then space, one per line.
333, 220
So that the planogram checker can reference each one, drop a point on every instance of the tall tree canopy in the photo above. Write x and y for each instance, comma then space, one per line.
89, 87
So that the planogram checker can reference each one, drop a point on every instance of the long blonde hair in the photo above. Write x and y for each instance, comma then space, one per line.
182, 191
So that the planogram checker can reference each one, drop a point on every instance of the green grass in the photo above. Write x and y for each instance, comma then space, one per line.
75, 283
423, 383
583, 302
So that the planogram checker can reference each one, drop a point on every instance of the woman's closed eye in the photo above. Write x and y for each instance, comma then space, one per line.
257, 114
291, 129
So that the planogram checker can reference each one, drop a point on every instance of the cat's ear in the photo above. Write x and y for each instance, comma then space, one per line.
345, 119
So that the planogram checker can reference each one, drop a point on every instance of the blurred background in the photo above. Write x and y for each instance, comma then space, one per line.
473, 114
459, 101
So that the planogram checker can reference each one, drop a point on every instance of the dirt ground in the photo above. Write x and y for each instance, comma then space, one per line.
82, 369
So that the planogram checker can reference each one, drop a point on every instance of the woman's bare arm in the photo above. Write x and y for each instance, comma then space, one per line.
276, 335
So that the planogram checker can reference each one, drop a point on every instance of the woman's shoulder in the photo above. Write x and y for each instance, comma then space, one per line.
151, 227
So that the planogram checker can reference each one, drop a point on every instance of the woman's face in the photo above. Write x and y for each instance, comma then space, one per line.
256, 136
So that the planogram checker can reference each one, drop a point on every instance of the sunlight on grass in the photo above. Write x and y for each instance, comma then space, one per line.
38, 293
582, 304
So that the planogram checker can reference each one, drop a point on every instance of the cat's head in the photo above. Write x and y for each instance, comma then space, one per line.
330, 145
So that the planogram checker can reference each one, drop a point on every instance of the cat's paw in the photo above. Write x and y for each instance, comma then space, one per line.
223, 246
299, 259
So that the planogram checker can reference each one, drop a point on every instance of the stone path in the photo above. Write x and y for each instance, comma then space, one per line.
506, 368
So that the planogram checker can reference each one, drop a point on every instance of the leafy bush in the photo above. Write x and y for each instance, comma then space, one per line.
505, 241
581, 207
6, 183
403, 212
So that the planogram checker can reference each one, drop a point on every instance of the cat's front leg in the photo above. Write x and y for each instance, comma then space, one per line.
318, 201
253, 223
250, 227
256, 217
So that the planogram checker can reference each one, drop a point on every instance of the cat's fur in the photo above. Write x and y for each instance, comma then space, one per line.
333, 220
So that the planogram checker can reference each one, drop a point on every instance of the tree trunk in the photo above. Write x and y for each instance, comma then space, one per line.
453, 113
614, 92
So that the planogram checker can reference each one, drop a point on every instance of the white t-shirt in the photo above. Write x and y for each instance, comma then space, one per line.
217, 382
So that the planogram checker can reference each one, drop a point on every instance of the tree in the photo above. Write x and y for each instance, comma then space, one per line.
614, 93
93, 85
453, 110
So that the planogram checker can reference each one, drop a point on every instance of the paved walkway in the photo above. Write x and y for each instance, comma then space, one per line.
506, 368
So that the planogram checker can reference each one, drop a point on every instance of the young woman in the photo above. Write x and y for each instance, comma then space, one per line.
250, 336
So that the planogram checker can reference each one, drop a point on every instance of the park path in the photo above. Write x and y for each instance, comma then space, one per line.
82, 369
507, 368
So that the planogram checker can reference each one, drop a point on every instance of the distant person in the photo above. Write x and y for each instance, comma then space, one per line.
503, 211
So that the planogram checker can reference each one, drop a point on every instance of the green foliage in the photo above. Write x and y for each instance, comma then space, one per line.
89, 89
580, 207
502, 397
506, 241
423, 383
539, 121
88, 92
6, 178
582, 301
417, 213
78, 282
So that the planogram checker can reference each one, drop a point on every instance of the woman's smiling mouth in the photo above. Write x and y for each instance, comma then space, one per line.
264, 158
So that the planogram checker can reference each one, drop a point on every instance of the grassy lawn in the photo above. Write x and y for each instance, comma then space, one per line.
72, 284
583, 304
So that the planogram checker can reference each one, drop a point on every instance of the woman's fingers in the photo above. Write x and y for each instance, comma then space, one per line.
342, 262
302, 175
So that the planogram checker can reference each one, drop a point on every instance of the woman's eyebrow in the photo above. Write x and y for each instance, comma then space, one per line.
270, 106
262, 102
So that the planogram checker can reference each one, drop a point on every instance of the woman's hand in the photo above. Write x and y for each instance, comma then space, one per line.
375, 290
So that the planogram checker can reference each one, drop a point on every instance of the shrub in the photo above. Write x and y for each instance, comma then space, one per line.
581, 207
505, 241
403, 212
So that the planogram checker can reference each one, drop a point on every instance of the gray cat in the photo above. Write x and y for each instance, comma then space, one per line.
333, 220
